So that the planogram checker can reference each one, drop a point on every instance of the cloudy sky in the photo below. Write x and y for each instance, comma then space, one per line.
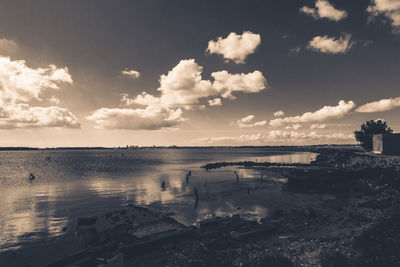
112, 73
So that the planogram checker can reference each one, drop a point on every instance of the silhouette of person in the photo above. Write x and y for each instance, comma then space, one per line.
196, 203
163, 185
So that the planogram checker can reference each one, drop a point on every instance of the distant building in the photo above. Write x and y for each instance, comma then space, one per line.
386, 144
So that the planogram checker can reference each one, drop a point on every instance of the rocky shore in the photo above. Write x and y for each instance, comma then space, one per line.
356, 223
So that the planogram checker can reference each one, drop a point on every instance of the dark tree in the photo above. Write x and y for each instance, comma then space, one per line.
368, 129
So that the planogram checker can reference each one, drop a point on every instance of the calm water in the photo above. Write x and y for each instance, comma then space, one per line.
71, 184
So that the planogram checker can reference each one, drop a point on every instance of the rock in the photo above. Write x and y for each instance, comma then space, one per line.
86, 221
115, 261
310, 212
268, 260
120, 229
196, 263
334, 259
167, 246
279, 212
88, 236
115, 218
262, 231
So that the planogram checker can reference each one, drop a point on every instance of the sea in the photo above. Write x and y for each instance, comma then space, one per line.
69, 184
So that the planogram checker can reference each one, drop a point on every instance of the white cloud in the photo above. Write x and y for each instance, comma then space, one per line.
324, 9
126, 101
279, 113
131, 73
388, 8
215, 102
380, 106
54, 100
331, 45
247, 119
295, 50
25, 116
226, 83
342, 136
277, 137
296, 136
293, 127
245, 139
317, 126
183, 88
325, 113
150, 118
255, 124
309, 11
7, 46
19, 83
235, 47
246, 122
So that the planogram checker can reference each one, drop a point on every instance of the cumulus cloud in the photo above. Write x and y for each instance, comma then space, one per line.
317, 126
126, 100
131, 73
380, 106
235, 47
226, 83
182, 88
296, 136
331, 45
7, 46
293, 127
277, 137
20, 84
246, 122
325, 113
324, 9
25, 116
215, 102
54, 100
245, 139
279, 113
149, 118
387, 8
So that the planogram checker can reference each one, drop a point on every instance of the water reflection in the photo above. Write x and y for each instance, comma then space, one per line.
29, 215
76, 184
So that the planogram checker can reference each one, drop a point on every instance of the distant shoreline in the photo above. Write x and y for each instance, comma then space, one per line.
296, 148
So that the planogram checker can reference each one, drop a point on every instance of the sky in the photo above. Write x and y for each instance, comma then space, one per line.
188, 73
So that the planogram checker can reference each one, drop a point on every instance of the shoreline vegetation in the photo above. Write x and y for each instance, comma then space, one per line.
356, 223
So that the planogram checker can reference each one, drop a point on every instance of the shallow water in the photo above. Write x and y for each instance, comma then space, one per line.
75, 183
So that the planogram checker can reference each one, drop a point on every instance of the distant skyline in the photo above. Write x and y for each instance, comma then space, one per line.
188, 73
